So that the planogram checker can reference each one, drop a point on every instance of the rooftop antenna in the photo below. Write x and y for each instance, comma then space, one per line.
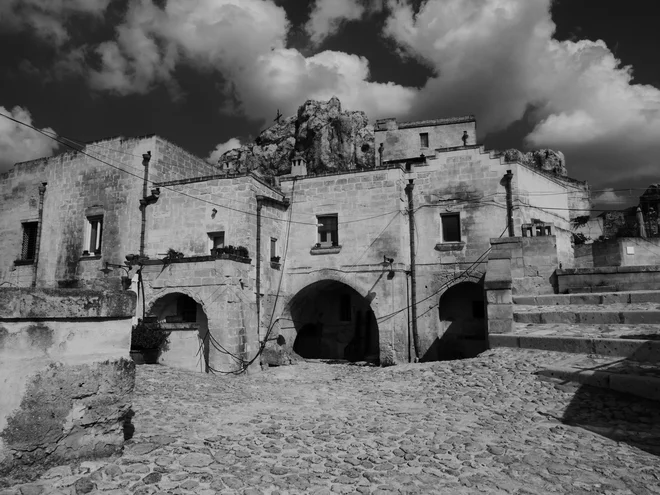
278, 116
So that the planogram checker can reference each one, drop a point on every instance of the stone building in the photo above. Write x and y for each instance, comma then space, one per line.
382, 262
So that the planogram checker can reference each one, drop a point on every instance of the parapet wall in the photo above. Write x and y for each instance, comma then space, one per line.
66, 379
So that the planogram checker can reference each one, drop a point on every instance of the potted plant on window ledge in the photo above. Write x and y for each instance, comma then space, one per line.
275, 262
148, 341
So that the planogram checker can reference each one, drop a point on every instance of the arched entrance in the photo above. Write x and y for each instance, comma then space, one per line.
185, 319
462, 312
333, 321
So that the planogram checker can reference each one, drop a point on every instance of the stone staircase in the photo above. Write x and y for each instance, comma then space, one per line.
613, 337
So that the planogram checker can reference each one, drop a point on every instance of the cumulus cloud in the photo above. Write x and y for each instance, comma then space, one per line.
222, 148
498, 58
611, 197
328, 15
19, 143
244, 41
47, 18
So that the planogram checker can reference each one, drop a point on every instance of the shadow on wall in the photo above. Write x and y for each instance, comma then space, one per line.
462, 315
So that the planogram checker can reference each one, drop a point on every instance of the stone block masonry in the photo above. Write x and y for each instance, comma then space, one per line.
65, 378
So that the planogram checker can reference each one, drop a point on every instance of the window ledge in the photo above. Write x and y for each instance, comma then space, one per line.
90, 257
449, 246
325, 250
23, 262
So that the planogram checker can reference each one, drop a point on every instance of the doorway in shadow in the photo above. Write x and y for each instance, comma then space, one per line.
333, 321
462, 313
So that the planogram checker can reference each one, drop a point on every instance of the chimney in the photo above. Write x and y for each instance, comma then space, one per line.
298, 165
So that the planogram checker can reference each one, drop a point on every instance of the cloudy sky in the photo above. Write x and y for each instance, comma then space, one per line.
580, 76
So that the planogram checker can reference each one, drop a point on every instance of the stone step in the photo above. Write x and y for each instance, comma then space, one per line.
636, 342
626, 297
633, 349
615, 313
622, 375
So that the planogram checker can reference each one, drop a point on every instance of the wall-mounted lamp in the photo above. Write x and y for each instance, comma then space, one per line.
214, 212
388, 261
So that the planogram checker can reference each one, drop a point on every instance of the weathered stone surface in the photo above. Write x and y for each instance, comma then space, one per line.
196, 460
545, 159
330, 140
69, 412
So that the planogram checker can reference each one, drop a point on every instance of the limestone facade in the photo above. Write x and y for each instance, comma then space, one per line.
327, 272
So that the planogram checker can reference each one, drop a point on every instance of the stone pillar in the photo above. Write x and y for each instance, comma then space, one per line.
66, 379
498, 283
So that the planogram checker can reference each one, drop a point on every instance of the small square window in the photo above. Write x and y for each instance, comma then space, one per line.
451, 228
424, 139
328, 232
29, 247
273, 249
217, 239
94, 235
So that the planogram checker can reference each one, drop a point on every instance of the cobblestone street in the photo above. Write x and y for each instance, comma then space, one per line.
484, 425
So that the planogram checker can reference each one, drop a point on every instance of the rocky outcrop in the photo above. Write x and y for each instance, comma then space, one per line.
329, 139
548, 160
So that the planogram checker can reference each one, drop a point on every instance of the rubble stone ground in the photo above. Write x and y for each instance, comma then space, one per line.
482, 425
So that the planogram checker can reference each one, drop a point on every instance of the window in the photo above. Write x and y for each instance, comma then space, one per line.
216, 240
424, 139
345, 307
451, 228
29, 240
273, 249
94, 235
328, 235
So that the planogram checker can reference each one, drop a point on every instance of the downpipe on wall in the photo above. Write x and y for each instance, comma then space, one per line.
146, 158
508, 177
413, 281
42, 192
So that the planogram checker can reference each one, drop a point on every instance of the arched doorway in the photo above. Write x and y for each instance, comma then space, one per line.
333, 321
185, 319
462, 312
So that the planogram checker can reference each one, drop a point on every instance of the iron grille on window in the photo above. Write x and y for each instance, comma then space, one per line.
29, 240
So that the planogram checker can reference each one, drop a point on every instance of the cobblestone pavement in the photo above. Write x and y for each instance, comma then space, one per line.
483, 425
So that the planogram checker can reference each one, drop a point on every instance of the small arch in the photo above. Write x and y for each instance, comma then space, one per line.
186, 320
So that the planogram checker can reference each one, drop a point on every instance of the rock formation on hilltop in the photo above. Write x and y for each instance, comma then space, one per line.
548, 160
329, 139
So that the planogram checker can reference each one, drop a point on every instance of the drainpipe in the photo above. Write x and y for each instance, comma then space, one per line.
509, 202
146, 157
42, 192
408, 315
413, 281
257, 284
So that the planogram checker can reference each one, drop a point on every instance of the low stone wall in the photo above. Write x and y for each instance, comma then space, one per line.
65, 376
624, 251
533, 262
608, 279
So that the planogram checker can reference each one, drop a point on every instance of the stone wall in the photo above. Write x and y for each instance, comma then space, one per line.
105, 179
533, 262
402, 140
623, 251
224, 288
66, 378
608, 279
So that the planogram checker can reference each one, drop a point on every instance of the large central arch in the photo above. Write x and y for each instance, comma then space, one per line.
333, 321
